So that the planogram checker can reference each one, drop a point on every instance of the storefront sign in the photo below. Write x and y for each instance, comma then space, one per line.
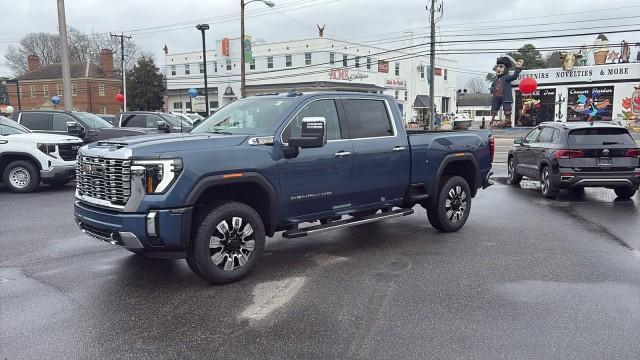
198, 104
583, 74
343, 74
395, 84
438, 71
590, 103
383, 66
533, 109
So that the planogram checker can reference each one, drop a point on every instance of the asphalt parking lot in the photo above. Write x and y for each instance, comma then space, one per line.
525, 278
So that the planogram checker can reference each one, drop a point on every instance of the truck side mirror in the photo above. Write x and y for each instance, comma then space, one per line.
518, 141
74, 129
312, 135
163, 126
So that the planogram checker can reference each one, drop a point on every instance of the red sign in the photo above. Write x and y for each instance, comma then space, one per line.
438, 71
225, 46
339, 74
383, 66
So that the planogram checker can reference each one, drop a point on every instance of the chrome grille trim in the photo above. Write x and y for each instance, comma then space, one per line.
104, 179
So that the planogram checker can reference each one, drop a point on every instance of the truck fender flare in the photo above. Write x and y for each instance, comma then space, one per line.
246, 178
451, 158
5, 154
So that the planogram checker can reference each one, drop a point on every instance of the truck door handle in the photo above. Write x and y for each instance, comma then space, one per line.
399, 148
341, 154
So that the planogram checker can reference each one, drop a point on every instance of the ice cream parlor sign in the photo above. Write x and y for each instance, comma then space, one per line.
601, 73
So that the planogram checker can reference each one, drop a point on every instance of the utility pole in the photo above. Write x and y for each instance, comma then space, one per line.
432, 62
66, 69
124, 79
242, 74
203, 28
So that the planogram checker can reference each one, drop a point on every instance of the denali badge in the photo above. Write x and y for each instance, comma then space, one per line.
93, 169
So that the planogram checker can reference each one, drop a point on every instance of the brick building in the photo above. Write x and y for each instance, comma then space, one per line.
93, 87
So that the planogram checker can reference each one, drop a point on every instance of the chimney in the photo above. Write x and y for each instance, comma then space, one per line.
33, 62
106, 61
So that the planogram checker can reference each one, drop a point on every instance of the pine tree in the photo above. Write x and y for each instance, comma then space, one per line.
145, 86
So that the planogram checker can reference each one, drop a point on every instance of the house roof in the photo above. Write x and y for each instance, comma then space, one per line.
422, 101
54, 71
474, 100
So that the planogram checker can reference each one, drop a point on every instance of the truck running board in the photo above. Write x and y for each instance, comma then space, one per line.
345, 223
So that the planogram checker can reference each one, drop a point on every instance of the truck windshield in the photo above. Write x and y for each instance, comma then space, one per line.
253, 116
93, 121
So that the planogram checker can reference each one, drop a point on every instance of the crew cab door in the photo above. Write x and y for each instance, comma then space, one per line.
318, 181
382, 163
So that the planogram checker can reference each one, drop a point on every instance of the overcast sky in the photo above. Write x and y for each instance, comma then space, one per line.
172, 22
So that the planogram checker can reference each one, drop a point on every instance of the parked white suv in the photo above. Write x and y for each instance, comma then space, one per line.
28, 158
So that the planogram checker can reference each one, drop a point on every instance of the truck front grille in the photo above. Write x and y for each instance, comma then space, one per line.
104, 179
68, 152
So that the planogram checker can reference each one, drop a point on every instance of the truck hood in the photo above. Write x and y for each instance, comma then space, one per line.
154, 145
45, 138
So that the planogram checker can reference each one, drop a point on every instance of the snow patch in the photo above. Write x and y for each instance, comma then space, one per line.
269, 296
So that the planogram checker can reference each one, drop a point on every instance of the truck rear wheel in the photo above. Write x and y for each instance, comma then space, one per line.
227, 243
450, 209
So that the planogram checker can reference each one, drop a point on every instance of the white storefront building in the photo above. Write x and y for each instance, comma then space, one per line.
320, 64
609, 92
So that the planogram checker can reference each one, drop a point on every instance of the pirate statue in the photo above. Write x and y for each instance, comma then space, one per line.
501, 87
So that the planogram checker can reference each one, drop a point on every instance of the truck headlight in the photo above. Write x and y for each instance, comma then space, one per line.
159, 174
48, 149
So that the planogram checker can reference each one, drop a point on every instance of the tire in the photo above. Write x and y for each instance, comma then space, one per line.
227, 244
21, 176
450, 210
625, 192
513, 178
546, 186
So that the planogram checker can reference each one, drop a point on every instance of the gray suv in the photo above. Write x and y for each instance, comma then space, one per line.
575, 156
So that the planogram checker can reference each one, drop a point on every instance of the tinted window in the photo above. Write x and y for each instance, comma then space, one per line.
36, 121
532, 136
92, 121
152, 121
137, 120
600, 136
60, 122
546, 135
556, 136
319, 108
367, 118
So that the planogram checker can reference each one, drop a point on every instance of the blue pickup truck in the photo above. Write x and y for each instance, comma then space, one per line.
297, 163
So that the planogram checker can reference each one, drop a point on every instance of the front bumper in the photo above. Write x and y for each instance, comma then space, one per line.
158, 233
568, 179
59, 172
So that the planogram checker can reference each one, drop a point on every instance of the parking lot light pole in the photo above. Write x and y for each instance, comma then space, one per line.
242, 5
66, 67
203, 28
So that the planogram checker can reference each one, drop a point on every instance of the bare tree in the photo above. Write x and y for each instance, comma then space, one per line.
83, 47
476, 85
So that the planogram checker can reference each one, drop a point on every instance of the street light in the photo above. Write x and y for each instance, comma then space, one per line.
242, 5
203, 28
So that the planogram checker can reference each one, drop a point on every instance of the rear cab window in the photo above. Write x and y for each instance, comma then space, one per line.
368, 118
36, 121
600, 136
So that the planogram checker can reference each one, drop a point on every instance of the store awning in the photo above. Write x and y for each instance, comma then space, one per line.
422, 102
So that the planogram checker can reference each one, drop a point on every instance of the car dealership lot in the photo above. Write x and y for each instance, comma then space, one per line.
525, 278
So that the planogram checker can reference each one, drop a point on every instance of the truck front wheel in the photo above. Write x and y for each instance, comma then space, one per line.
227, 243
449, 211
